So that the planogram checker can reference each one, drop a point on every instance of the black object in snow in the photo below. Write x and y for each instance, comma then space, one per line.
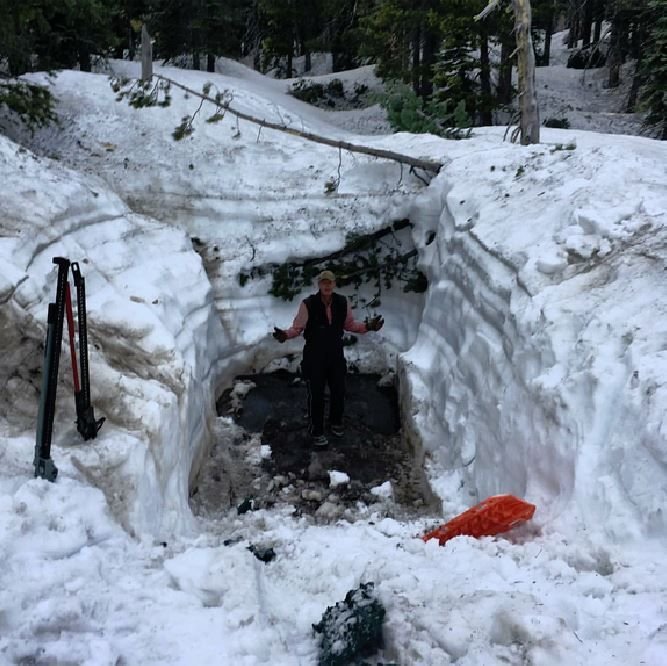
86, 424
245, 506
44, 466
262, 553
351, 629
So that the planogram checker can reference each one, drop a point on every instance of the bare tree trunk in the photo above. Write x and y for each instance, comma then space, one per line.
146, 55
573, 24
615, 57
85, 62
637, 38
210, 62
427, 165
548, 34
587, 23
415, 42
530, 118
505, 72
599, 17
131, 47
428, 58
485, 77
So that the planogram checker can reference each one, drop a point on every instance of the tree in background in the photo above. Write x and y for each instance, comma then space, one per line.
653, 67
198, 28
462, 71
126, 25
388, 29
42, 35
341, 33
78, 30
529, 123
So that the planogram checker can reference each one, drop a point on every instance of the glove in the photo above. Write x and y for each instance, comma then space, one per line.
279, 334
375, 323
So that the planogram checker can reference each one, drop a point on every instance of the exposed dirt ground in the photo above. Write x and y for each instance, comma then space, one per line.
265, 456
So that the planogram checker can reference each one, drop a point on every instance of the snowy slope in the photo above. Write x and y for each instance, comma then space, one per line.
534, 364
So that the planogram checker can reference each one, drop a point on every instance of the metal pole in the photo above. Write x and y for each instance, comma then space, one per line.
86, 424
44, 466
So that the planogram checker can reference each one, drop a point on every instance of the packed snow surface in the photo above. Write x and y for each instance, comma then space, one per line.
535, 364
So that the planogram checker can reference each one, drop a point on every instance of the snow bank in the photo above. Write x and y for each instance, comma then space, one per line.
543, 335
151, 328
534, 364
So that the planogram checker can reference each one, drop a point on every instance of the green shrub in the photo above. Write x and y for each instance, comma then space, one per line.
307, 91
558, 123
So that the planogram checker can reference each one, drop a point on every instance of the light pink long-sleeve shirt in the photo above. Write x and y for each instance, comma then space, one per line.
301, 319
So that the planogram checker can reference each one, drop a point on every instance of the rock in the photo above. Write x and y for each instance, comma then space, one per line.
351, 629
329, 512
262, 553
311, 495
316, 471
587, 58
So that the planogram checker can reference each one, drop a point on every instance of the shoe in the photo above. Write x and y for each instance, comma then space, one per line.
320, 441
337, 430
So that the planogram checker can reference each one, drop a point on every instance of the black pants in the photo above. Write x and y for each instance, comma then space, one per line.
318, 372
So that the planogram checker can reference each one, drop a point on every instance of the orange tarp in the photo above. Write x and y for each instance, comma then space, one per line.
494, 515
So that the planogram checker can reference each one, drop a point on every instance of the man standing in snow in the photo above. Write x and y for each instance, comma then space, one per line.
322, 318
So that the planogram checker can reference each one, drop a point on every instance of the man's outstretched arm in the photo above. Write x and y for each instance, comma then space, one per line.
297, 327
372, 324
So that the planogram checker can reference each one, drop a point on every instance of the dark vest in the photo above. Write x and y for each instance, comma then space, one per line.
319, 333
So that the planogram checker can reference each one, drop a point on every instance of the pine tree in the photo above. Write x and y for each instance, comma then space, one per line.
199, 28
20, 25
389, 31
654, 67
459, 70
281, 19
77, 30
41, 35
46, 35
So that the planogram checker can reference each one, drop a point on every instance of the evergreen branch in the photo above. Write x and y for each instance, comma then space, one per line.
32, 104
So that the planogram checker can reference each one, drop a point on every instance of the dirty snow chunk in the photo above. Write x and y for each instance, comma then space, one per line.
601, 221
254, 450
329, 511
337, 478
552, 263
382, 491
241, 389
387, 380
583, 245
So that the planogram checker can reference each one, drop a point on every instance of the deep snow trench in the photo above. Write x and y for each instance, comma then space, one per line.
260, 450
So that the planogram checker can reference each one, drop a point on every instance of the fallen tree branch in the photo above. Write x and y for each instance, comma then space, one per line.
426, 165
